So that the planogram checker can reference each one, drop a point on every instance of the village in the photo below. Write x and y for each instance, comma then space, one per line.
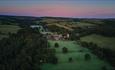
51, 35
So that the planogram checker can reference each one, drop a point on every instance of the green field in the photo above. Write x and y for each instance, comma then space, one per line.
9, 28
104, 42
79, 62
5, 29
81, 24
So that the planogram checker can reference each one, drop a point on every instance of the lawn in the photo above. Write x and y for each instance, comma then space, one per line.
104, 42
78, 63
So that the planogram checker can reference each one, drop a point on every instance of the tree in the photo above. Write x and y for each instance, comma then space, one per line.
104, 68
84, 44
54, 60
56, 45
70, 59
64, 50
87, 57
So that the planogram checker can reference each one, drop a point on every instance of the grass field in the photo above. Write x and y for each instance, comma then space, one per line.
78, 63
9, 28
61, 26
5, 29
105, 42
81, 24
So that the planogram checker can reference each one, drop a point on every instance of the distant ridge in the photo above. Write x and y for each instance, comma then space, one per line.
52, 17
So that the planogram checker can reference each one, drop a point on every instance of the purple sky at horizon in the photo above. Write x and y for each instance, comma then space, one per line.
59, 8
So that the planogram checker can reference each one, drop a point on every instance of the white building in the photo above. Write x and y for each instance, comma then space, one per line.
40, 27
36, 26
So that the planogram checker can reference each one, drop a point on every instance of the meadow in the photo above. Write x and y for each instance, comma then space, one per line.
5, 29
9, 28
101, 41
76, 52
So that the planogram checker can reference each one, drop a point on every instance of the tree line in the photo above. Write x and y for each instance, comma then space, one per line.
103, 53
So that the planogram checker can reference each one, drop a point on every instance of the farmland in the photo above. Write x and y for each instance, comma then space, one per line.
9, 28
5, 29
104, 42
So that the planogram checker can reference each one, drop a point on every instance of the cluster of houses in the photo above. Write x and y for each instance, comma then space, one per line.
56, 36
51, 35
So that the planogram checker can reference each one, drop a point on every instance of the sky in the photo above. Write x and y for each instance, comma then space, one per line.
59, 8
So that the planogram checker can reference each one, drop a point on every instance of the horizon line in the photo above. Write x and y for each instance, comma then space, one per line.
59, 17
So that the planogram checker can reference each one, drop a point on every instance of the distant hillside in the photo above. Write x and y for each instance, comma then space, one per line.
63, 22
61, 26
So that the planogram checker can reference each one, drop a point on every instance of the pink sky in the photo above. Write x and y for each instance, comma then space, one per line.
58, 10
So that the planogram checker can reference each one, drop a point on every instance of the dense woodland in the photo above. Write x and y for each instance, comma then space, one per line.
26, 50
107, 29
